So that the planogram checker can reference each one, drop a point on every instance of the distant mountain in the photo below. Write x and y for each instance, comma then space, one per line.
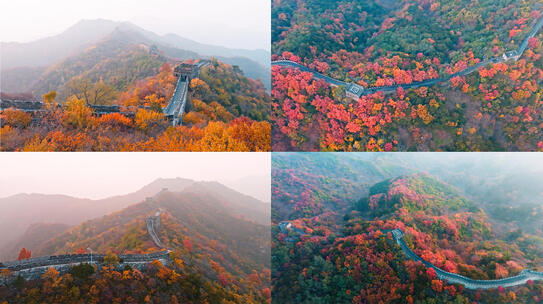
416, 192
21, 211
242, 205
35, 234
307, 184
34, 219
176, 41
218, 222
117, 52
217, 254
506, 187
46, 51
258, 186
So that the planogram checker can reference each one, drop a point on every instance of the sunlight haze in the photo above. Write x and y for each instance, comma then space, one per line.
234, 23
99, 175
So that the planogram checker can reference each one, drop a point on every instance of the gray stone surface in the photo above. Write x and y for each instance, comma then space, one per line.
453, 278
185, 73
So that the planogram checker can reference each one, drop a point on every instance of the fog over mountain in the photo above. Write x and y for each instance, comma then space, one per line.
21, 214
30, 66
48, 50
474, 216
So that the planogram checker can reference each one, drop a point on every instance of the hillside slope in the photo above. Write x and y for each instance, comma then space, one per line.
208, 229
436, 75
19, 212
116, 52
440, 226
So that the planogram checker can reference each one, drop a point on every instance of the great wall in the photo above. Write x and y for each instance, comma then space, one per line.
184, 73
33, 268
174, 111
453, 278
523, 277
355, 91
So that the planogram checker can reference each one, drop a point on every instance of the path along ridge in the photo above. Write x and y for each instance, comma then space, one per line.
355, 91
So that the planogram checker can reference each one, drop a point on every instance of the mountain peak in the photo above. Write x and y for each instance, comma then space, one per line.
415, 192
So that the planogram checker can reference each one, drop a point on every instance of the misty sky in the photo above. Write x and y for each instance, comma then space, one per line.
99, 175
231, 23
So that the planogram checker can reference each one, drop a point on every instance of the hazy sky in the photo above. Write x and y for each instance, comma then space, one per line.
99, 175
231, 23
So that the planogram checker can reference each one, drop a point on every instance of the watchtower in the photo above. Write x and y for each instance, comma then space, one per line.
186, 70
354, 91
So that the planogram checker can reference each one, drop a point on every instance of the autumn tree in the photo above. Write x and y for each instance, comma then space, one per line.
97, 93
5, 273
102, 93
217, 138
49, 100
146, 120
24, 254
16, 118
111, 259
77, 114
199, 87
115, 121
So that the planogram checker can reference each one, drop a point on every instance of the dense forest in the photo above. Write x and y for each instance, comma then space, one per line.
219, 253
179, 282
385, 43
227, 112
341, 205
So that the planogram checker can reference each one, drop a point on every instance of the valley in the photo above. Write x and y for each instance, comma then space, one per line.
400, 228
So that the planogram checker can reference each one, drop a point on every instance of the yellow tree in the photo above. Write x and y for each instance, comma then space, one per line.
77, 114
199, 86
111, 259
146, 120
16, 118
216, 138
98, 93
49, 99
5, 273
102, 93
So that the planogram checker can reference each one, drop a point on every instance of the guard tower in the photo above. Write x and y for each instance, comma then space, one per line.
186, 70
184, 73
511, 55
354, 91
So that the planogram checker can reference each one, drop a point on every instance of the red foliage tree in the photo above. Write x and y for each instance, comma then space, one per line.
187, 244
532, 42
24, 254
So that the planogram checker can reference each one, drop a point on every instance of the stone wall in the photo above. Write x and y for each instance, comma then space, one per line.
454, 278
33, 268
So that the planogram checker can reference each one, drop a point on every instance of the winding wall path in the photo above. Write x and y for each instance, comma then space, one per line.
38, 106
355, 91
173, 111
453, 278
33, 268
176, 107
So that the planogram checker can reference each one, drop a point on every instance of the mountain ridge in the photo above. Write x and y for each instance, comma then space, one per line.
29, 66
72, 210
